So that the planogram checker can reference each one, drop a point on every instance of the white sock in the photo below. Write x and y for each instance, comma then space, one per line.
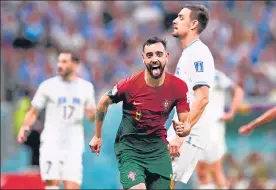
207, 186
51, 187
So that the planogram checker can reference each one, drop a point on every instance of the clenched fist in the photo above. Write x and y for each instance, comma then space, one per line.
182, 129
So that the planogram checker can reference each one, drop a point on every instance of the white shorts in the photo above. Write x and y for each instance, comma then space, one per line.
216, 148
185, 164
57, 164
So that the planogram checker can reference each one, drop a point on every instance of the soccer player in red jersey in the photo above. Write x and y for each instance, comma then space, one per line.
148, 97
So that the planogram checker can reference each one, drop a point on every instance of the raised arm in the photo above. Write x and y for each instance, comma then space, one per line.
267, 117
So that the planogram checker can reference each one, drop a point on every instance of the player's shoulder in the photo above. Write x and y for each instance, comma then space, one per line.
133, 78
198, 46
49, 81
85, 83
174, 80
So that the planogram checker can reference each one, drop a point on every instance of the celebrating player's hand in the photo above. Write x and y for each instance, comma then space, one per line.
228, 116
246, 129
23, 133
95, 145
174, 146
181, 129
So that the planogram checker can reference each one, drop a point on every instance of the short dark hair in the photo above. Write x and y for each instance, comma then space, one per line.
154, 40
74, 58
199, 13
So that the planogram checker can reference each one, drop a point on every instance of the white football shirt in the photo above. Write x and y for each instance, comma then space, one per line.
196, 67
64, 104
222, 84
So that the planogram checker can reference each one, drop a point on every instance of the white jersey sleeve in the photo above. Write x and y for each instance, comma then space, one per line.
91, 102
201, 68
40, 98
223, 81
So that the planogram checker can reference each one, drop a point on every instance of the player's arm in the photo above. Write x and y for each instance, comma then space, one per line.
237, 97
29, 120
113, 96
182, 108
199, 104
201, 75
267, 117
96, 142
38, 103
237, 92
101, 110
183, 128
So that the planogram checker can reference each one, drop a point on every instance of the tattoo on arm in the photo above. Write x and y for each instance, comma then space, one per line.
100, 115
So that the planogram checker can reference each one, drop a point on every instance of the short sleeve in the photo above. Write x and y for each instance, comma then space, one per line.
117, 93
40, 97
222, 80
202, 69
182, 104
91, 101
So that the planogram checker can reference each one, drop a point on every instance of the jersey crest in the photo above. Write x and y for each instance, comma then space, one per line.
166, 104
199, 66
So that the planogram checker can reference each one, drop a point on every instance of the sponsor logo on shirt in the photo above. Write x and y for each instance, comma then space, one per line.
136, 103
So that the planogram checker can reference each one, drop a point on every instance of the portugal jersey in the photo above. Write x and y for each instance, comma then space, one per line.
64, 103
146, 109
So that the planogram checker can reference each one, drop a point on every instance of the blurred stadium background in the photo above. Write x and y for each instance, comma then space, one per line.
108, 37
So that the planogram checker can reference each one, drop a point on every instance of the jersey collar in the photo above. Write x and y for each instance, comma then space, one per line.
192, 43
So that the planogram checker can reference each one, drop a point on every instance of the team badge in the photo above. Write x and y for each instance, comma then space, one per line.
131, 175
199, 66
166, 104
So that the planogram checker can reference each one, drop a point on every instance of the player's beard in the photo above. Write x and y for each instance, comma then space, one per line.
155, 73
66, 74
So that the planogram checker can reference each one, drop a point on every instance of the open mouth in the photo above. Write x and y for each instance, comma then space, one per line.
156, 70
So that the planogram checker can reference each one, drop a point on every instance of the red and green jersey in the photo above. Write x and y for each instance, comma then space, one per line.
145, 111
145, 108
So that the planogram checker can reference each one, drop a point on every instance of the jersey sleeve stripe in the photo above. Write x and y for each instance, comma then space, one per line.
201, 84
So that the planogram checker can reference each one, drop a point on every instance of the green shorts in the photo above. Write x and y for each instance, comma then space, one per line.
132, 174
144, 160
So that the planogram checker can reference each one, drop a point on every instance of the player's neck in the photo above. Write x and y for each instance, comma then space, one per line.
70, 78
154, 82
188, 40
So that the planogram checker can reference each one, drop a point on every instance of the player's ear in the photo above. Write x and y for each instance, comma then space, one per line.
194, 24
142, 55
167, 54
